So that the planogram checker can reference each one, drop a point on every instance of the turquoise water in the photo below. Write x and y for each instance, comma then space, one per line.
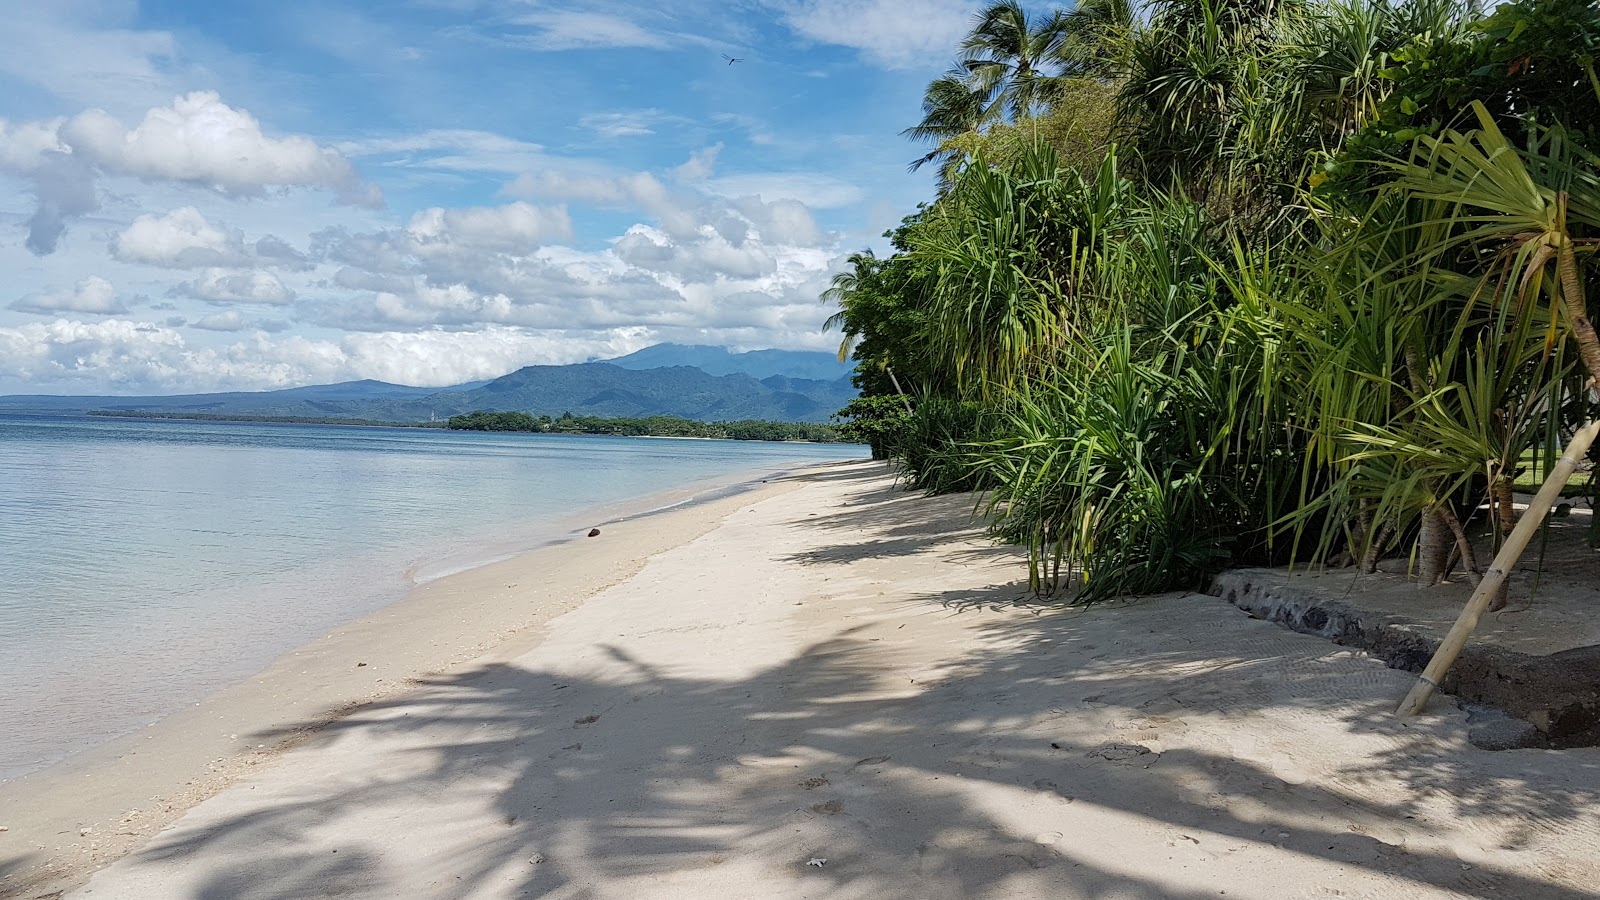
149, 563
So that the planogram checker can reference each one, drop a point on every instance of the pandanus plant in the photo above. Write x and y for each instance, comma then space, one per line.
1527, 217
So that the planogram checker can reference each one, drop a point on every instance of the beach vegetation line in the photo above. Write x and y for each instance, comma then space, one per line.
1209, 283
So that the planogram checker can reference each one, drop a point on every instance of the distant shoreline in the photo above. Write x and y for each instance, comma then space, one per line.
500, 607
671, 427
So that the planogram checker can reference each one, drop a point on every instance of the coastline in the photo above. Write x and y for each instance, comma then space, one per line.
831, 687
95, 806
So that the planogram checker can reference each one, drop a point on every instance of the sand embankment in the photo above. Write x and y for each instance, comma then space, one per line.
833, 694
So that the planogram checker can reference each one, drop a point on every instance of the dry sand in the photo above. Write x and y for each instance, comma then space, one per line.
835, 694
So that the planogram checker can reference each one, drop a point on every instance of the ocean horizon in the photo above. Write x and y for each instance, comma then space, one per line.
153, 562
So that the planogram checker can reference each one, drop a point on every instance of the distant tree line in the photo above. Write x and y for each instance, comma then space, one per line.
649, 426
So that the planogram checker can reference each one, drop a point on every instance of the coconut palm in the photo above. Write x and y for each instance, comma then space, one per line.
1013, 57
1097, 33
950, 108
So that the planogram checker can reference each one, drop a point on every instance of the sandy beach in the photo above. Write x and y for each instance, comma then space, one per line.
824, 687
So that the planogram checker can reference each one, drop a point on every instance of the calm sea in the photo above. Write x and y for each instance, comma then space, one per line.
149, 563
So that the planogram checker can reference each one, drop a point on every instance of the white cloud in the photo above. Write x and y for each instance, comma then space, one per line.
514, 228
457, 150
93, 295
79, 51
137, 357
232, 321
198, 140
634, 123
201, 140
815, 190
898, 34
574, 30
221, 287
700, 165
180, 239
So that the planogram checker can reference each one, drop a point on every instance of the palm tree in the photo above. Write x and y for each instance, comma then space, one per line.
1096, 37
1013, 57
950, 109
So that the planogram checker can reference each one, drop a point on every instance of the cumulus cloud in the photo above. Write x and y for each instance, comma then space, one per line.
514, 228
897, 34
138, 357
198, 140
233, 320
93, 295
221, 286
180, 239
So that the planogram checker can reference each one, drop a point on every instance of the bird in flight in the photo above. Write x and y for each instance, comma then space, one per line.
732, 59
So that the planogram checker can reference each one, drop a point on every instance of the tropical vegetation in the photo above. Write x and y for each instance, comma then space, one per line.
648, 426
1218, 282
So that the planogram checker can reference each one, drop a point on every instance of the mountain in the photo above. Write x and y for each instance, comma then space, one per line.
808, 364
607, 389
584, 389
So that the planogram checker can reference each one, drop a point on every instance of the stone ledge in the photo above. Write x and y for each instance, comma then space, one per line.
1558, 695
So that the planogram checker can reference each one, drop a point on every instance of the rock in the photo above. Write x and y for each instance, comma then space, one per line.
360, 664
594, 532
1490, 729
1120, 752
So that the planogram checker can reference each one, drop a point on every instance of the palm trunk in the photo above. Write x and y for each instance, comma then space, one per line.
1494, 579
1505, 507
1433, 548
1374, 551
1572, 299
898, 389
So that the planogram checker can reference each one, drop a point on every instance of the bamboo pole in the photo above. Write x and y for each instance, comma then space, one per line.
1504, 562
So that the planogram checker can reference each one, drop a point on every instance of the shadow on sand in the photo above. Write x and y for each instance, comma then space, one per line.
680, 773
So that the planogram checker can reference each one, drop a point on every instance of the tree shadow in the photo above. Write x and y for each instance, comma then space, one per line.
821, 757
557, 780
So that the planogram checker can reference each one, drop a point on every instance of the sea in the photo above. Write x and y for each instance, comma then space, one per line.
145, 564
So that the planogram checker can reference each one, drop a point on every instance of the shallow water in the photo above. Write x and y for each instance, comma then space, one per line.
149, 563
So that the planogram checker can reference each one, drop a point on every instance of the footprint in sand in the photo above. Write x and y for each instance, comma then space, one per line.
831, 808
1047, 786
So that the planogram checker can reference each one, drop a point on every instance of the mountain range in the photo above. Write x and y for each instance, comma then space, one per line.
650, 382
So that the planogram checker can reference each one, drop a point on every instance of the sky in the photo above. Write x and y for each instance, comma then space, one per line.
200, 196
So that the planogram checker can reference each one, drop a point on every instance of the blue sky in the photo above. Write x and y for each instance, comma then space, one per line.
248, 195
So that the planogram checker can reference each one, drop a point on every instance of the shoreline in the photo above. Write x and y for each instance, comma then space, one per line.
831, 687
72, 817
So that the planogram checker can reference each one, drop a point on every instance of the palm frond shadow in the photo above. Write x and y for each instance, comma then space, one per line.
832, 754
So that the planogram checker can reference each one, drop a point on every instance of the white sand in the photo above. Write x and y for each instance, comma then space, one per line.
837, 673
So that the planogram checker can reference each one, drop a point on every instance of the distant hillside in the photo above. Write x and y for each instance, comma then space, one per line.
606, 389
807, 364
590, 389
